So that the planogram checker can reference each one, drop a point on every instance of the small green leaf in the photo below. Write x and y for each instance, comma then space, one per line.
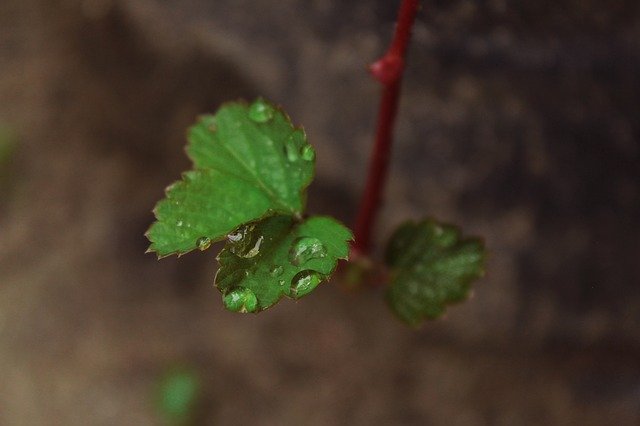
431, 266
276, 257
250, 162
178, 395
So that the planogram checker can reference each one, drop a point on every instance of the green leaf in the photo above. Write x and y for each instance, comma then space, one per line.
431, 266
250, 162
276, 257
178, 394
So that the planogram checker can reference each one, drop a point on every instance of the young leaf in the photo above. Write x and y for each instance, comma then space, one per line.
250, 162
178, 395
276, 257
431, 266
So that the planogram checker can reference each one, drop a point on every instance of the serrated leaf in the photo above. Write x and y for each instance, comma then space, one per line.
276, 257
431, 266
250, 162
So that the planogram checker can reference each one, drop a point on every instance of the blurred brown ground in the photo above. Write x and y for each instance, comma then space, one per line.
520, 122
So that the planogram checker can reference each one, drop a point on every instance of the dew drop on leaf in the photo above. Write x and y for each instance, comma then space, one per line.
291, 150
240, 299
293, 145
308, 153
276, 271
304, 282
305, 249
260, 111
203, 243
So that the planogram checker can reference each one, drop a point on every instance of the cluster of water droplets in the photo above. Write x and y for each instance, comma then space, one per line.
302, 251
296, 148
245, 242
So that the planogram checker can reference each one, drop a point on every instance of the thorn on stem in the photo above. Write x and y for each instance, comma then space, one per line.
387, 69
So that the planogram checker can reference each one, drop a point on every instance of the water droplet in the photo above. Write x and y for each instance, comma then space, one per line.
291, 150
203, 243
244, 242
305, 249
293, 145
308, 153
276, 271
304, 282
240, 299
260, 111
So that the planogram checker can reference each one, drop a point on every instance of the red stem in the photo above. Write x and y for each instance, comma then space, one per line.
387, 70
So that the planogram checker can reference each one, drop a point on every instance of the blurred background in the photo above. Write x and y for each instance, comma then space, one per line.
520, 122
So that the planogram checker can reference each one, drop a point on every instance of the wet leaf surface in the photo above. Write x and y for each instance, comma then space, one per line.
276, 257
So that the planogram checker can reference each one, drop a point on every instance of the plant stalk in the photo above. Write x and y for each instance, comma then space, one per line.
388, 70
